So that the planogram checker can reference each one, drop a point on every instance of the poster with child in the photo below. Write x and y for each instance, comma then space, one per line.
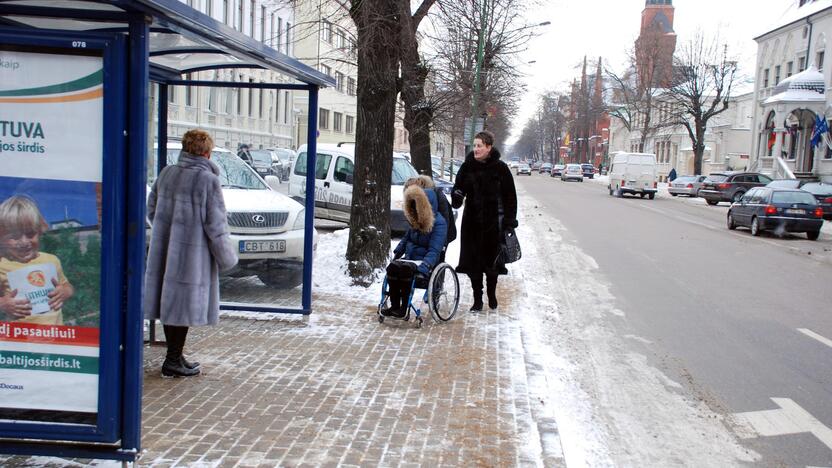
50, 235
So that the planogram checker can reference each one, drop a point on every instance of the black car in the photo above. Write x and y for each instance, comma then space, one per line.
821, 190
777, 209
730, 186
588, 170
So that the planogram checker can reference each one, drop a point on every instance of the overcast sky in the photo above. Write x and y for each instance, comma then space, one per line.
607, 28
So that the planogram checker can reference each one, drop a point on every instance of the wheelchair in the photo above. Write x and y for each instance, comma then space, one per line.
441, 295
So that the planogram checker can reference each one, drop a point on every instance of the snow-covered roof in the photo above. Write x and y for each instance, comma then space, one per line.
806, 86
795, 13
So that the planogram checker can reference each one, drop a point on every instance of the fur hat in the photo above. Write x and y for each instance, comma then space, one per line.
422, 181
417, 209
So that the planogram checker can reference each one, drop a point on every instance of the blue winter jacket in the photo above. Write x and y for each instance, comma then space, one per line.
425, 239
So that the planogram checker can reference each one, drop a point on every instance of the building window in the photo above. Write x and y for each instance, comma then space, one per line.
209, 7
263, 24
239, 98
251, 98
226, 8
326, 31
765, 78
251, 18
287, 107
288, 38
189, 92
789, 69
326, 70
240, 16
340, 39
351, 86
262, 95
819, 60
801, 64
776, 75
336, 121
323, 119
212, 99
339, 81
350, 128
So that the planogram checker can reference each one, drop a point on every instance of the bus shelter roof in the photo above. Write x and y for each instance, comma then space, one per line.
182, 39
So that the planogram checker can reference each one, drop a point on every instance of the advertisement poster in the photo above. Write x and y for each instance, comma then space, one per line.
51, 153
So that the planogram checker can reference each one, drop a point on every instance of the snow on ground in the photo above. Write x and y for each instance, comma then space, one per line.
611, 406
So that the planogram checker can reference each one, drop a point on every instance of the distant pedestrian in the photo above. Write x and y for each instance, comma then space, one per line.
189, 245
672, 175
485, 184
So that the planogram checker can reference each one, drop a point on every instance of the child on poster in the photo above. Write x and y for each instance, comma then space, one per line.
33, 287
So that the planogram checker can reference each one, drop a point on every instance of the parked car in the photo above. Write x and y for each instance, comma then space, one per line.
536, 165
686, 185
557, 170
282, 159
588, 170
821, 190
730, 186
778, 209
546, 168
633, 173
334, 168
572, 172
267, 227
524, 168
513, 164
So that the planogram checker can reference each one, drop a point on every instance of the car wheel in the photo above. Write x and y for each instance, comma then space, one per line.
641, 194
813, 235
711, 202
737, 196
281, 278
673, 194
731, 224
651, 195
755, 226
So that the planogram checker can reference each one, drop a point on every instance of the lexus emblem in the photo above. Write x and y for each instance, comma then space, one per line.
258, 218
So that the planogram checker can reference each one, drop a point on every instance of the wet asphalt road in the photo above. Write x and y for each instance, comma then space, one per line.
723, 310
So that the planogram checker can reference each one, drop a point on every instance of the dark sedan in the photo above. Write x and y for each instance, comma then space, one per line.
588, 170
546, 168
777, 209
821, 191
730, 186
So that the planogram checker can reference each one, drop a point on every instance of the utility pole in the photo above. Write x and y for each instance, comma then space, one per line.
480, 52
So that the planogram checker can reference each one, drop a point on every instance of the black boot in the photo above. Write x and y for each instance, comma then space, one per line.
175, 365
476, 287
491, 289
189, 364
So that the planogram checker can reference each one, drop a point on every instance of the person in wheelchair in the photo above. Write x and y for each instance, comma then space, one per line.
419, 250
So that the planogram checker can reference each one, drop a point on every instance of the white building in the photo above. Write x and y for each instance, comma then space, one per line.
260, 118
792, 91
325, 39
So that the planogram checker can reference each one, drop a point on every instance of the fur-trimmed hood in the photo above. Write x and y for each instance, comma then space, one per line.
419, 208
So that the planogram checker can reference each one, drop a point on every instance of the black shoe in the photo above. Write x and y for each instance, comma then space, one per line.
399, 313
177, 369
189, 364
492, 302
477, 307
389, 311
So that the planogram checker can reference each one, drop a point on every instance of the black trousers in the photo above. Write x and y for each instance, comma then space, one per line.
399, 278
476, 282
175, 338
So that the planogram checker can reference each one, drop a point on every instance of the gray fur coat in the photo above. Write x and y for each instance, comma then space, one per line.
189, 244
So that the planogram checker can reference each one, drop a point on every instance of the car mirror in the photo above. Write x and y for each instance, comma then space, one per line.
348, 178
273, 182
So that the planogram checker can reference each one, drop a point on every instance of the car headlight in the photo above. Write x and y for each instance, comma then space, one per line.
300, 220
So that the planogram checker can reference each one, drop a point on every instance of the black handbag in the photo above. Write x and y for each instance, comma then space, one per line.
509, 248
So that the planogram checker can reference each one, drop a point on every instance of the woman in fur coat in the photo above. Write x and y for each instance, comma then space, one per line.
486, 186
420, 249
189, 245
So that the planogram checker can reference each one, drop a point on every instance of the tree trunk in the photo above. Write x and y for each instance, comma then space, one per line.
369, 243
418, 114
698, 149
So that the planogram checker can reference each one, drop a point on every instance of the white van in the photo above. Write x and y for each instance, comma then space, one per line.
334, 168
633, 173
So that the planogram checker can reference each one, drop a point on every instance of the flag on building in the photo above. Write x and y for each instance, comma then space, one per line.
821, 129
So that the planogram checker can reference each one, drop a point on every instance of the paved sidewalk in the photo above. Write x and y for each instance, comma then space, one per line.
338, 388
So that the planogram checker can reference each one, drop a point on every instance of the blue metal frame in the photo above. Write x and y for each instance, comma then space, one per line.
112, 231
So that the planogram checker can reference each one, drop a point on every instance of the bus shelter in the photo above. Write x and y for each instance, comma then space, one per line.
75, 142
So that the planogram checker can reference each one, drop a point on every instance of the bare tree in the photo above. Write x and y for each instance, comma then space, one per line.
701, 88
635, 92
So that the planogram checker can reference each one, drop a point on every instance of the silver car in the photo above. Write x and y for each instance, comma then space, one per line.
572, 172
524, 168
686, 185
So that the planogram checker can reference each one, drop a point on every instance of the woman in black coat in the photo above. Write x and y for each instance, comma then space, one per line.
486, 185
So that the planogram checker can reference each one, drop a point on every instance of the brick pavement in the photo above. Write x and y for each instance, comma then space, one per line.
338, 388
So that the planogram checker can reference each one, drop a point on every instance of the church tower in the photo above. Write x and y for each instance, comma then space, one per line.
656, 44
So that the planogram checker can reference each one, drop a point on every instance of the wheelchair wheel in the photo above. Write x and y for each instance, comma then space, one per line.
443, 292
